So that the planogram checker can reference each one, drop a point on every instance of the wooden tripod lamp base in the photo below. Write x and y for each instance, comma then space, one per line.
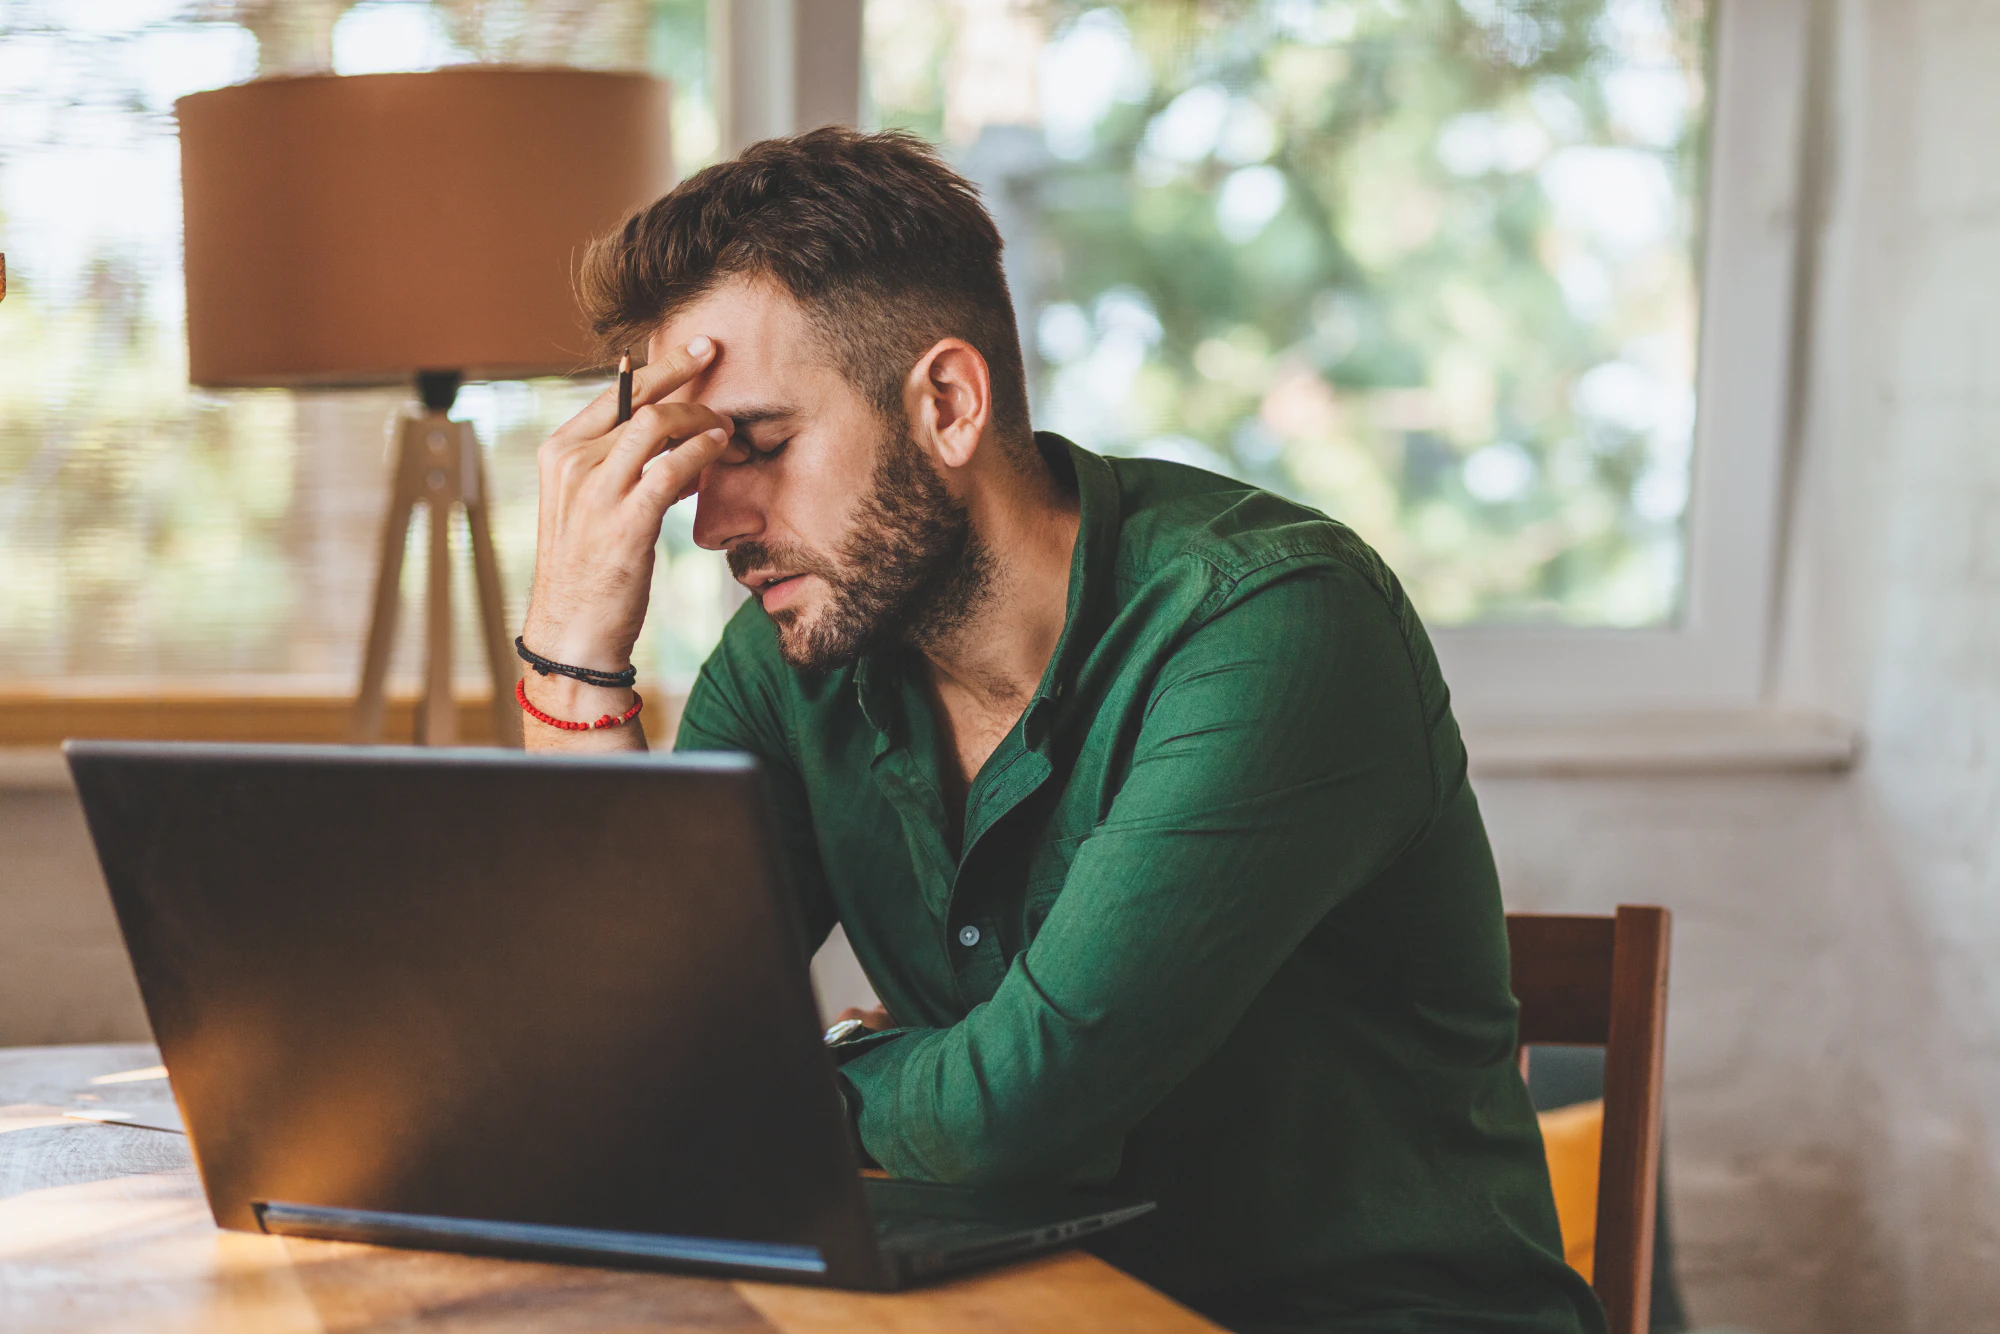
438, 465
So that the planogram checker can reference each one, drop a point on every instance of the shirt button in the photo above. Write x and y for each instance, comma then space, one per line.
968, 936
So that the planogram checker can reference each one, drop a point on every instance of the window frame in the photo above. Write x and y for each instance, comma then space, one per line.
786, 65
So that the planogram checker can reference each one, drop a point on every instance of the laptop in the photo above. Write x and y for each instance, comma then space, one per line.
538, 1006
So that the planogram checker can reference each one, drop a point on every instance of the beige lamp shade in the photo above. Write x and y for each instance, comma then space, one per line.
355, 230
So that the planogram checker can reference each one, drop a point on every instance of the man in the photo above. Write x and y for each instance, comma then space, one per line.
1136, 789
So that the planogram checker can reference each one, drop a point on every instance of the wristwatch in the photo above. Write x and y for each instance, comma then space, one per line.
845, 1031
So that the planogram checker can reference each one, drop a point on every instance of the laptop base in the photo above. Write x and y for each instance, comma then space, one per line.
925, 1232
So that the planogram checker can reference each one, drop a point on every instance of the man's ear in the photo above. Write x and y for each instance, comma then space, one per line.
949, 397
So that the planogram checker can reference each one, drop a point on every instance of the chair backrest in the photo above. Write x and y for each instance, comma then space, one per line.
1602, 982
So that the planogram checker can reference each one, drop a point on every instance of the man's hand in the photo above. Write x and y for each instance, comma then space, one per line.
605, 490
874, 1020
601, 509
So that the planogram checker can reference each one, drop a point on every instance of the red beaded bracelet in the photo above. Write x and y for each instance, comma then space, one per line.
521, 694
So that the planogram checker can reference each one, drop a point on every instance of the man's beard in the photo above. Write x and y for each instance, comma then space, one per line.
910, 571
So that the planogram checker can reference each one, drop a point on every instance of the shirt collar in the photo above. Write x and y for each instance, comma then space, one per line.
1091, 563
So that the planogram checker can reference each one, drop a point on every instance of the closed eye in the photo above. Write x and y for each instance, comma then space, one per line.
768, 452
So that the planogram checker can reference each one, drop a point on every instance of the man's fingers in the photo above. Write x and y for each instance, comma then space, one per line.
656, 379
674, 474
650, 382
565, 463
660, 426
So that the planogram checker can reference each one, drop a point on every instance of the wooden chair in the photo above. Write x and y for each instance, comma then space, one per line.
1602, 982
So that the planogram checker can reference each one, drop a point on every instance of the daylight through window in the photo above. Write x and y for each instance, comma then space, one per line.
1429, 266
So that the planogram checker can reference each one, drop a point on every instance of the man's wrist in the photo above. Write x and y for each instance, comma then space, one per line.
574, 701
577, 648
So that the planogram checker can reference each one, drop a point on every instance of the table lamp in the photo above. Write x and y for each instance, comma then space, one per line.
419, 229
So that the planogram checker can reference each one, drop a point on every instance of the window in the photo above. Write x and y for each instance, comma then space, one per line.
1430, 269
1429, 265
1506, 284
152, 535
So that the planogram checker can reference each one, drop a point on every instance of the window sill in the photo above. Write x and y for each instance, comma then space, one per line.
1641, 745
225, 709
1750, 741
34, 723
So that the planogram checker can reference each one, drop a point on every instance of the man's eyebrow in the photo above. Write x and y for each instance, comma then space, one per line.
745, 418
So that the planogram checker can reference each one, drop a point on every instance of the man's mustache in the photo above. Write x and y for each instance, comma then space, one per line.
746, 557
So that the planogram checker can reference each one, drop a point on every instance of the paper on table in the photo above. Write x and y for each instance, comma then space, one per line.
163, 1117
139, 1076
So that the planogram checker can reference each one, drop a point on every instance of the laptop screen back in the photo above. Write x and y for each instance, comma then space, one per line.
479, 984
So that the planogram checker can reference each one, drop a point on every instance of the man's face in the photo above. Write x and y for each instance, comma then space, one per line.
839, 525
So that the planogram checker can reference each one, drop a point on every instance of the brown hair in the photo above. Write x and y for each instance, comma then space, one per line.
886, 248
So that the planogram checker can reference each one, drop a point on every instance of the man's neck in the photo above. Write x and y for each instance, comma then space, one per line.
993, 660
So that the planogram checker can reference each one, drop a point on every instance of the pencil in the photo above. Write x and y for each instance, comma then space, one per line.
625, 388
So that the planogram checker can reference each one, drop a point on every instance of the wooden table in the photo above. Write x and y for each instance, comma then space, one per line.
103, 1228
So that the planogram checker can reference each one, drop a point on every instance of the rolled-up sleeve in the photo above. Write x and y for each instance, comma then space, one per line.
1284, 760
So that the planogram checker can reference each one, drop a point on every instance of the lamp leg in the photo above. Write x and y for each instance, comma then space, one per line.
437, 463
492, 610
438, 725
365, 728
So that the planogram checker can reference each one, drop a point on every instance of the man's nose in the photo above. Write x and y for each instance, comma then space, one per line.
729, 507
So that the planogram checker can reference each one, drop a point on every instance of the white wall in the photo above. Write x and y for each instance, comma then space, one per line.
1822, 1158
63, 974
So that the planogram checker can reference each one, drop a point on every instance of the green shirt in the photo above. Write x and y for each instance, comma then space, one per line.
1224, 931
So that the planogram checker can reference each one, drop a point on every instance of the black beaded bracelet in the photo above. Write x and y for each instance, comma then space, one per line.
590, 676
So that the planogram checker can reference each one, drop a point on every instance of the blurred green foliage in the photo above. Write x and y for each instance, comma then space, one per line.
1427, 264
